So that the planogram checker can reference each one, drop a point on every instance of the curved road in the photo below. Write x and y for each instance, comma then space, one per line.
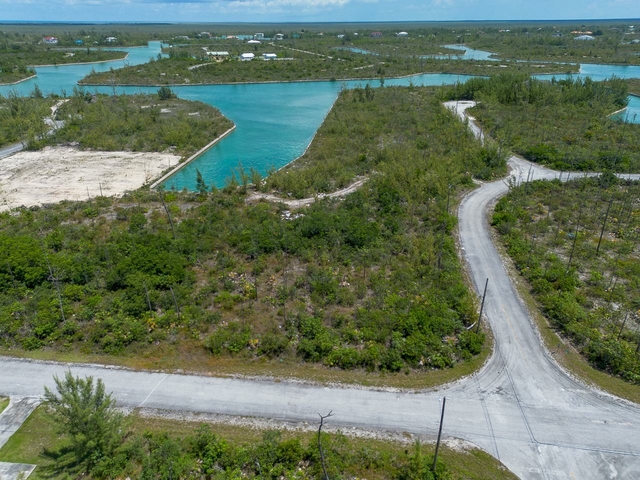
521, 407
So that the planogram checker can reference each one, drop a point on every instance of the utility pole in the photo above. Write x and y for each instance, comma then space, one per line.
484, 295
435, 456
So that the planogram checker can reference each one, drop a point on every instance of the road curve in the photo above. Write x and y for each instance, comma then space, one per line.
521, 407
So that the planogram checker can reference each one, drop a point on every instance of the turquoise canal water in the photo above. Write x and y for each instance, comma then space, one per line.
462, 53
275, 122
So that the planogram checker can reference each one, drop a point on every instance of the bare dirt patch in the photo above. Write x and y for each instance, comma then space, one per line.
305, 202
66, 173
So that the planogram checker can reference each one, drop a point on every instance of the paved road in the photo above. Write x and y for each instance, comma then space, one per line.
10, 420
522, 408
10, 149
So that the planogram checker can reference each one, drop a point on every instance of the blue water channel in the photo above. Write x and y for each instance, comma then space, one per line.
275, 122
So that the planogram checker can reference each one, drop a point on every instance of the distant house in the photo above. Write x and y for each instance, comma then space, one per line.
246, 57
269, 56
340, 36
402, 34
111, 39
78, 42
50, 40
279, 36
258, 36
218, 54
254, 42
376, 34
205, 35
583, 38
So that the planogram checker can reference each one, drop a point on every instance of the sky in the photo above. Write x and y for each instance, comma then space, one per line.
205, 11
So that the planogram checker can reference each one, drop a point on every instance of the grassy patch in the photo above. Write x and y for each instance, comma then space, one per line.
4, 403
37, 442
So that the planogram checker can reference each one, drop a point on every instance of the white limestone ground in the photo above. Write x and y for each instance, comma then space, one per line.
67, 173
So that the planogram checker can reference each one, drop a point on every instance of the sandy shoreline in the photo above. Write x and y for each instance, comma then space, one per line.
66, 173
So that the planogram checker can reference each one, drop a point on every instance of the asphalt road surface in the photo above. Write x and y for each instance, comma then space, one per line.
521, 407
10, 149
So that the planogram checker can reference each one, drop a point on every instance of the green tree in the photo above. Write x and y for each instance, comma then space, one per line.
165, 93
201, 186
86, 413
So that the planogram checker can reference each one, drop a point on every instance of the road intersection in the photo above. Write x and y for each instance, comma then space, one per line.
521, 406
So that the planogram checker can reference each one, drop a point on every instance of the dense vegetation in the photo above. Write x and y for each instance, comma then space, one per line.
612, 42
370, 282
319, 58
147, 123
634, 86
18, 57
578, 246
563, 123
372, 127
22, 118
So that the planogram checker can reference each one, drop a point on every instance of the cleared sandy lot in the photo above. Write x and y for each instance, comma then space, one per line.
66, 173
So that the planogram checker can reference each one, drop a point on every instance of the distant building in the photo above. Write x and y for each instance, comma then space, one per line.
269, 56
78, 42
254, 42
258, 36
111, 39
580, 32
279, 36
50, 40
585, 38
205, 34
376, 34
341, 36
246, 57
218, 54
402, 34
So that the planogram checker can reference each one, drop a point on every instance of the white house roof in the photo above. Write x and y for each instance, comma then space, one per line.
585, 37
247, 55
269, 55
218, 54
254, 42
